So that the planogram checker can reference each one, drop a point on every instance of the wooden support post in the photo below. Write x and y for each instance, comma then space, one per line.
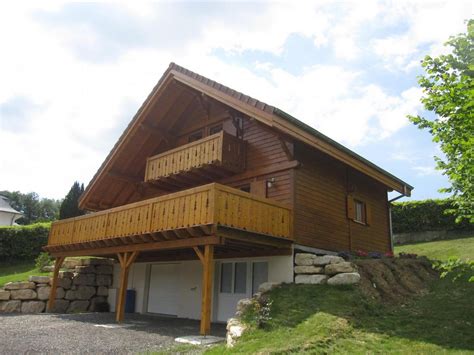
207, 277
126, 260
52, 293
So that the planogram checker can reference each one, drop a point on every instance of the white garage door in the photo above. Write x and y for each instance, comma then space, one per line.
163, 292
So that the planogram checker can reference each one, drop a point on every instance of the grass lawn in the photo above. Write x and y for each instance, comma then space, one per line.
18, 271
462, 248
320, 319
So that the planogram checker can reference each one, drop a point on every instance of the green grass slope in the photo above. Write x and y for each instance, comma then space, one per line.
462, 248
316, 319
18, 271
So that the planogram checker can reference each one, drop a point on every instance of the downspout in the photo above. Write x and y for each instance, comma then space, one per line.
390, 218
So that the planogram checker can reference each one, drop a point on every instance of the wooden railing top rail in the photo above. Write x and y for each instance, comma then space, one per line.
188, 145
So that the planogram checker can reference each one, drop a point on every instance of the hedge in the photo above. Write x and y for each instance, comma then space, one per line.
23, 242
425, 215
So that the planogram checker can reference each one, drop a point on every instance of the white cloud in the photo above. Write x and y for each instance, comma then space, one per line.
82, 105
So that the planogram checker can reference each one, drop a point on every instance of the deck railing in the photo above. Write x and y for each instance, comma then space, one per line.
211, 204
220, 150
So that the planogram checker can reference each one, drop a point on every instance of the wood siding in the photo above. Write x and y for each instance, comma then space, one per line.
321, 188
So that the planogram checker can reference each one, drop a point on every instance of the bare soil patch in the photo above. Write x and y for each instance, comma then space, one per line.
395, 280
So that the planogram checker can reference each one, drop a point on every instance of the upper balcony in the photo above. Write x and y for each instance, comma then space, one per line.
218, 155
176, 220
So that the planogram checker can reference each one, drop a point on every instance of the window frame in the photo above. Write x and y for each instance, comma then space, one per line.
195, 133
360, 211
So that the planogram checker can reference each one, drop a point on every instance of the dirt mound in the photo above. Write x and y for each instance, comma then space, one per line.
395, 280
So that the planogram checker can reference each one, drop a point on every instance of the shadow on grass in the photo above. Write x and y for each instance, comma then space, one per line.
444, 317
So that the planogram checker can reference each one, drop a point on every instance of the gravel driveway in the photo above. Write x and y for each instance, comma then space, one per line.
93, 333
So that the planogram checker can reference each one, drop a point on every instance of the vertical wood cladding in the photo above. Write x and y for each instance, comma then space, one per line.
321, 188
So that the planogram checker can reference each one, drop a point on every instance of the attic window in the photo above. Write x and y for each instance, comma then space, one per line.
195, 136
215, 129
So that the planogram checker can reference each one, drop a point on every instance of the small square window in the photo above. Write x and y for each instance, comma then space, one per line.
195, 136
215, 129
360, 212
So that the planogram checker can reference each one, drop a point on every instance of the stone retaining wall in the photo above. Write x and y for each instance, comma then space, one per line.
83, 285
333, 270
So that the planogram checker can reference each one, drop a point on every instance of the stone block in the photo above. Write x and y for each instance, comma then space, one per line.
104, 280
4, 295
66, 275
88, 269
327, 259
70, 295
60, 293
84, 280
93, 303
349, 278
77, 306
60, 306
309, 269
21, 285
25, 294
10, 306
235, 329
345, 267
84, 292
47, 268
65, 283
71, 263
311, 279
97, 261
104, 269
43, 292
33, 307
304, 259
39, 279
102, 291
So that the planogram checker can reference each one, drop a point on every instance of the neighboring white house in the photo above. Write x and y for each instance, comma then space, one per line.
8, 215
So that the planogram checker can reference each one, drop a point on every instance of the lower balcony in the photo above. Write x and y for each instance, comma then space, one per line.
233, 220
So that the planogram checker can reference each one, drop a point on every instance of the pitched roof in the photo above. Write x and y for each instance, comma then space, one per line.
5, 206
259, 110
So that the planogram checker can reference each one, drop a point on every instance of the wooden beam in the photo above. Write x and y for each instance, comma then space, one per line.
124, 178
170, 244
207, 277
52, 292
253, 238
199, 254
126, 260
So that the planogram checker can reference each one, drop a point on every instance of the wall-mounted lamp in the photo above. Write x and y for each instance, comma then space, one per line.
270, 182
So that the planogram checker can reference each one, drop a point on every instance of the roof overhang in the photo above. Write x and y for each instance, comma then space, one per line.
268, 115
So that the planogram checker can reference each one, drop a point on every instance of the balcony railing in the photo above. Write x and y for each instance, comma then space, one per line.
220, 151
211, 204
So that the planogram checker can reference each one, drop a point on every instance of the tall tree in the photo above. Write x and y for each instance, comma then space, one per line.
70, 205
448, 87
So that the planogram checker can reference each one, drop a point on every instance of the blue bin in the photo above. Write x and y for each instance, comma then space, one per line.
130, 301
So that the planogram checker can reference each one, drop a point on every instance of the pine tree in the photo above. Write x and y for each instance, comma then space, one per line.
70, 205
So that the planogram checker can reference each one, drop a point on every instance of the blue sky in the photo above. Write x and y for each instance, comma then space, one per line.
73, 75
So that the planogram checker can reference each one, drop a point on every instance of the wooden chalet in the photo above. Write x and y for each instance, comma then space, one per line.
205, 175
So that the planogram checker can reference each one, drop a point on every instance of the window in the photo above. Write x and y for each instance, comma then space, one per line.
240, 278
215, 129
195, 136
226, 278
359, 212
259, 274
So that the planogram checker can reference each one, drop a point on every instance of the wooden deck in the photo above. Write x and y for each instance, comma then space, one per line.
185, 214
220, 153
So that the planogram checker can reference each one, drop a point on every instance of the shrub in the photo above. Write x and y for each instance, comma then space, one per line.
44, 259
23, 242
426, 215
456, 269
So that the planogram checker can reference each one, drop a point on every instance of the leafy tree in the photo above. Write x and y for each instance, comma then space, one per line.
448, 86
34, 208
70, 205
